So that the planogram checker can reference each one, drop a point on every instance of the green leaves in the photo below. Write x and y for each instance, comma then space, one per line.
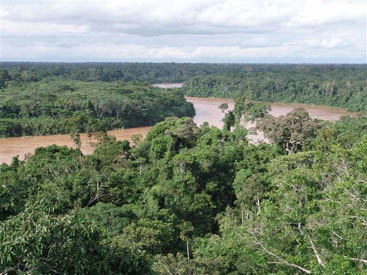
72, 107
189, 200
40, 243
290, 132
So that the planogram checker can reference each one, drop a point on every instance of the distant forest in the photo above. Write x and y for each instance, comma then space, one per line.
330, 84
36, 100
107, 72
334, 85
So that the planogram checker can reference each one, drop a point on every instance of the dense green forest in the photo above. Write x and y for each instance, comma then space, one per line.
186, 199
190, 200
59, 107
334, 85
107, 72
331, 84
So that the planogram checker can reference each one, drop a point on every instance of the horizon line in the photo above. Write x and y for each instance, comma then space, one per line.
188, 62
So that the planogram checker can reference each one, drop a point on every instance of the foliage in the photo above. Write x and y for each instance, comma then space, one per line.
35, 242
54, 107
334, 85
292, 131
187, 200
21, 72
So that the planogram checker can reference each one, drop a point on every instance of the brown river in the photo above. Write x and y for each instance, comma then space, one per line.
206, 110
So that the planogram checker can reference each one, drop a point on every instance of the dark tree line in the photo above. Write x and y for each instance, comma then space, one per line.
331, 84
107, 72
57, 107
335, 85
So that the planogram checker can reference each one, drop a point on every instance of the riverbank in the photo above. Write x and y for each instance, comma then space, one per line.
207, 110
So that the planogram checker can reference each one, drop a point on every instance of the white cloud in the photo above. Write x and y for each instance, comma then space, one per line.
13, 28
318, 12
176, 30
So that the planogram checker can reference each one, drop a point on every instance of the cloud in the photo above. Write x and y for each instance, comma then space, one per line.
176, 30
320, 12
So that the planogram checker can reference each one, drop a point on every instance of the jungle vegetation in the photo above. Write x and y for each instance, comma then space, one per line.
187, 199
193, 200
108, 72
60, 107
341, 85
334, 85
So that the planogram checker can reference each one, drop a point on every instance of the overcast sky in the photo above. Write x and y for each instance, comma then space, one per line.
265, 31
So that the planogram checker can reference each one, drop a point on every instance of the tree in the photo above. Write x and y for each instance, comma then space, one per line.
39, 243
292, 131
80, 122
4, 77
247, 110
229, 118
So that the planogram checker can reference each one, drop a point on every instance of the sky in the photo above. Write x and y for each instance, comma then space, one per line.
230, 31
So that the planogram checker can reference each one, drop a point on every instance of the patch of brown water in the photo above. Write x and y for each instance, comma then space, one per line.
168, 85
22, 146
207, 109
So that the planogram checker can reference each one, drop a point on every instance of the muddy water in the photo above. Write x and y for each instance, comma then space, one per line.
168, 85
22, 146
206, 110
